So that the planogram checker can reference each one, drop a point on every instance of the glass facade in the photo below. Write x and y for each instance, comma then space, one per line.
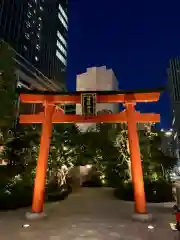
174, 93
37, 29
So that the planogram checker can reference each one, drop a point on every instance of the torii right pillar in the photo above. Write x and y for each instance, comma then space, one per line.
136, 165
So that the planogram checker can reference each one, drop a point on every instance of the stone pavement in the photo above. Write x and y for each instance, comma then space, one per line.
92, 214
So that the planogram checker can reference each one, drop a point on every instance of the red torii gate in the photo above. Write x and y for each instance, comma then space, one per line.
51, 115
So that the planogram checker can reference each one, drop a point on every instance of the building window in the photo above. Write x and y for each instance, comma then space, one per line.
63, 12
29, 14
62, 21
25, 48
173, 121
61, 58
61, 48
28, 25
37, 46
41, 8
175, 136
36, 58
27, 36
61, 38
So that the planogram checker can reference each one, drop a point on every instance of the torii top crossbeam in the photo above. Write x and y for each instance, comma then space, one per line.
28, 96
101, 97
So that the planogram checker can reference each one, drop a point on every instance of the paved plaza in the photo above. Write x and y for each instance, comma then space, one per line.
92, 214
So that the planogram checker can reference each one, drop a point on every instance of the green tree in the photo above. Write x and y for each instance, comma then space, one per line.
64, 151
156, 164
8, 95
101, 148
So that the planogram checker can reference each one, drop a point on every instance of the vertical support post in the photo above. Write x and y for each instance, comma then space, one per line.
39, 186
136, 166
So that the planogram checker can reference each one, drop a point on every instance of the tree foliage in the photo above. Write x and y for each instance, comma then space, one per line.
8, 95
155, 163
106, 149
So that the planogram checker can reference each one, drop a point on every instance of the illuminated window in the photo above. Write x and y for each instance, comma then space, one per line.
39, 18
27, 36
63, 12
28, 25
41, 8
173, 121
61, 38
38, 47
29, 5
29, 14
38, 35
61, 48
36, 58
34, 11
62, 21
25, 48
61, 58
175, 135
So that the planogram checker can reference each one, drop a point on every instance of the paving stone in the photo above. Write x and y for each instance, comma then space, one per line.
94, 215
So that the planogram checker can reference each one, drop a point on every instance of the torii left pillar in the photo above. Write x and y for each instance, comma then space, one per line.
40, 180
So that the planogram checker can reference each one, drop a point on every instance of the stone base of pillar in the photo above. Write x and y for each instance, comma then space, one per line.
34, 216
142, 217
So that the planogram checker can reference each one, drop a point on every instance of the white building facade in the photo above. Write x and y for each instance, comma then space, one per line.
97, 79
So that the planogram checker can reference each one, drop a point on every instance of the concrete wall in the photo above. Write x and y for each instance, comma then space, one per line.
97, 79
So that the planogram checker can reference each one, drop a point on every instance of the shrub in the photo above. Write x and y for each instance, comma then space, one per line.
156, 191
94, 181
20, 195
55, 193
159, 191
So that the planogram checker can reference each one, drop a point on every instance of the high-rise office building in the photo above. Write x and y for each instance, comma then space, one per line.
37, 29
174, 93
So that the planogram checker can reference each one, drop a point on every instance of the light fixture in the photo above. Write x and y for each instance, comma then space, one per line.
26, 225
168, 133
65, 148
150, 227
88, 166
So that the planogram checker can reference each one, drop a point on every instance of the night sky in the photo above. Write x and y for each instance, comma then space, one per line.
134, 38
